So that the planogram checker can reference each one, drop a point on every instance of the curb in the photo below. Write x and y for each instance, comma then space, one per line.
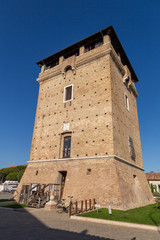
5, 209
7, 203
117, 223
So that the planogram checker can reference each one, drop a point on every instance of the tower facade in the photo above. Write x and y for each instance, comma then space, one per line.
86, 132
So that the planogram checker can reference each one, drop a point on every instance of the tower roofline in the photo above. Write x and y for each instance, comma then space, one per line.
115, 43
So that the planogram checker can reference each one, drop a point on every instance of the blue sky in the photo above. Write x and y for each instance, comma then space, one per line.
31, 30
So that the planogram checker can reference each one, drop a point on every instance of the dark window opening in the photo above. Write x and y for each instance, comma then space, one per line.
88, 171
131, 149
71, 53
93, 45
68, 68
126, 102
67, 147
52, 64
68, 93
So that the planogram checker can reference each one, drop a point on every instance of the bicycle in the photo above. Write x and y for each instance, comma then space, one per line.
60, 207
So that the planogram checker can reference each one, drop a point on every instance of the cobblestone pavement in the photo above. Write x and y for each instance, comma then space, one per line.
40, 224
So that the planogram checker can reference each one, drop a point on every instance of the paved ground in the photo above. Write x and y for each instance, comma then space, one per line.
6, 203
35, 224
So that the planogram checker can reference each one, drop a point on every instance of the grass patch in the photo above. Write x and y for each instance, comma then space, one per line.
16, 205
6, 200
149, 215
156, 194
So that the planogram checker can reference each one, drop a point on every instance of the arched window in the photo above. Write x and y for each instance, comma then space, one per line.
68, 68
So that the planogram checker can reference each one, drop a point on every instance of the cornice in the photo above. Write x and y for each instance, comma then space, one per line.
92, 57
134, 90
50, 75
117, 61
84, 59
87, 158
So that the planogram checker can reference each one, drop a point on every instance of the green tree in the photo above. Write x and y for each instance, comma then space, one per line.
151, 186
12, 176
2, 175
13, 173
21, 173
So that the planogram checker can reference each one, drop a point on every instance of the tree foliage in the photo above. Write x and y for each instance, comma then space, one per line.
152, 189
12, 176
12, 173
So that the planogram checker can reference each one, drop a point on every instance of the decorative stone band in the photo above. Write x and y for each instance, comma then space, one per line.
87, 158
90, 58
49, 75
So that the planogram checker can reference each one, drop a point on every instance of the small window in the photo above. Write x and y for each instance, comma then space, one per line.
93, 45
67, 147
68, 68
88, 171
68, 93
52, 64
71, 53
126, 101
131, 149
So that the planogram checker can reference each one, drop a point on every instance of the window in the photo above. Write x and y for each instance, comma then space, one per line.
68, 93
68, 68
155, 188
67, 147
51, 64
126, 101
131, 149
71, 53
93, 45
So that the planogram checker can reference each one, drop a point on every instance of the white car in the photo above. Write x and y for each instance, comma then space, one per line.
12, 189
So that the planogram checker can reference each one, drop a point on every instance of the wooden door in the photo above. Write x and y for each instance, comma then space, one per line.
63, 175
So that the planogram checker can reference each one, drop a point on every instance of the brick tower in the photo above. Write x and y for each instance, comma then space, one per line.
86, 132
